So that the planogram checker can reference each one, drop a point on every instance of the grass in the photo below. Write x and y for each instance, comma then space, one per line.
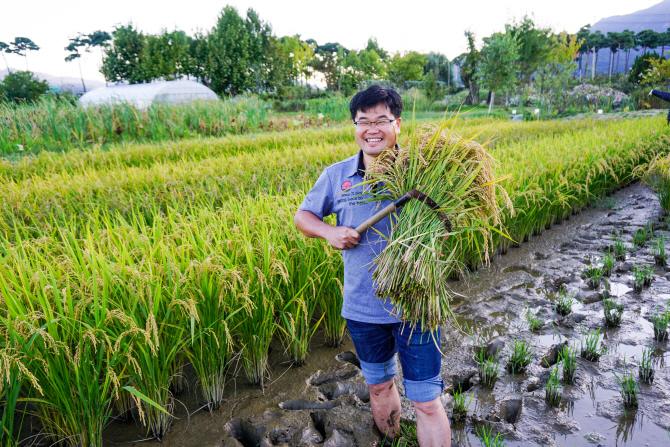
553, 394
658, 251
646, 369
642, 277
619, 249
640, 237
613, 312
590, 349
593, 275
628, 387
521, 356
487, 368
460, 410
568, 358
563, 305
534, 320
660, 321
607, 262
487, 439
656, 174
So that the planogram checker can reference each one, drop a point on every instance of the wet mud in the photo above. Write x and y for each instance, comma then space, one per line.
326, 401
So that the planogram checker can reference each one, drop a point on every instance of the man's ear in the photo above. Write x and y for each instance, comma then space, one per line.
399, 121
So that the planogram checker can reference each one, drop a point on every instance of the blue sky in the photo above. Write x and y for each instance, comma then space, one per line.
421, 25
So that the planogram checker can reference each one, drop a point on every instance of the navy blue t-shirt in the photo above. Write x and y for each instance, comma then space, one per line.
335, 193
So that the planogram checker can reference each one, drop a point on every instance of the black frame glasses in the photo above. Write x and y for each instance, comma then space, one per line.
370, 123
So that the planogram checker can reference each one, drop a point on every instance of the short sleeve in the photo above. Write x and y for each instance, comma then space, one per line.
319, 200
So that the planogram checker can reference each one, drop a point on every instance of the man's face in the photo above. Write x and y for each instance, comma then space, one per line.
375, 139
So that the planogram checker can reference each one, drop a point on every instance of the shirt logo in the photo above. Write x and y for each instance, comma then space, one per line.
346, 185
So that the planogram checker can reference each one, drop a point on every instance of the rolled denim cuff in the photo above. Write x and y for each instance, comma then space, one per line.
423, 390
376, 373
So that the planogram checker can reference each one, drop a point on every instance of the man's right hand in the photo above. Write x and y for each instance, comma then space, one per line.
343, 238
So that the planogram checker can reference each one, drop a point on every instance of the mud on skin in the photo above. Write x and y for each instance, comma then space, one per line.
326, 402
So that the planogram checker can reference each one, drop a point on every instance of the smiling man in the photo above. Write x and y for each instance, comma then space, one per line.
378, 336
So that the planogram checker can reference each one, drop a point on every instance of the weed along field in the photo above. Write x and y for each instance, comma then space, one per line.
156, 289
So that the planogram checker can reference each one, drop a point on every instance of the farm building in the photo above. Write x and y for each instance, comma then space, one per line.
144, 95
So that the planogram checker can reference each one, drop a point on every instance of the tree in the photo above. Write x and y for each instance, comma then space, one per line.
373, 45
534, 45
230, 54
628, 43
648, 39
124, 60
596, 41
21, 46
468, 63
614, 40
498, 67
439, 64
4, 48
328, 64
22, 86
406, 67
299, 56
582, 36
73, 48
167, 55
556, 75
664, 39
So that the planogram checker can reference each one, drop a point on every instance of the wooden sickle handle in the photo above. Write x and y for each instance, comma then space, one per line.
376, 218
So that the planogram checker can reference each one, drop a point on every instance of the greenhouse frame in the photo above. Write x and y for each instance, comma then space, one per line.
144, 95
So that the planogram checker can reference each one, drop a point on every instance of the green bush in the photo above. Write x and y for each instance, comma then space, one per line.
22, 87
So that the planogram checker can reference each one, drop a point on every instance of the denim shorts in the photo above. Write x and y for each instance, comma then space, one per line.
377, 345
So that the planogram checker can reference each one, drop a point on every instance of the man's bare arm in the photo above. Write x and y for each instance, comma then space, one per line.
342, 238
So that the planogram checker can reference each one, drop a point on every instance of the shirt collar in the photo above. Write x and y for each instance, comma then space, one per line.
357, 165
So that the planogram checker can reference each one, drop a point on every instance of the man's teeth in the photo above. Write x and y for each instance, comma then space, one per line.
373, 140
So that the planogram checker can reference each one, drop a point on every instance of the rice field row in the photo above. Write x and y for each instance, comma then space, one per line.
112, 276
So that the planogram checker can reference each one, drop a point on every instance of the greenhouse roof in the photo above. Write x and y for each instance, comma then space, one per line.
144, 95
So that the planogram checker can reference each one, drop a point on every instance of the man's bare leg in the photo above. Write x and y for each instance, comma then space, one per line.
432, 424
385, 404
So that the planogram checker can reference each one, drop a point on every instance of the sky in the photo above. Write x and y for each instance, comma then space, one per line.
420, 25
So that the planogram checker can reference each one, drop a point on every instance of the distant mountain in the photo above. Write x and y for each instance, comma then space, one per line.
656, 18
64, 83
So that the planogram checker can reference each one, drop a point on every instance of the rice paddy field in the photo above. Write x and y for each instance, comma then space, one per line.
134, 272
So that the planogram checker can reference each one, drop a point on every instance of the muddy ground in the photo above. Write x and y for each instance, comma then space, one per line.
325, 402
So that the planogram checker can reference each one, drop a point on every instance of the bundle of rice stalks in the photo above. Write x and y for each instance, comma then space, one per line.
421, 253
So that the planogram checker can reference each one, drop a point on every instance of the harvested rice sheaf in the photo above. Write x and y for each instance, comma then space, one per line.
421, 253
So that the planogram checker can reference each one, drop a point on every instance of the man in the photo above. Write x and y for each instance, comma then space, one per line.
377, 334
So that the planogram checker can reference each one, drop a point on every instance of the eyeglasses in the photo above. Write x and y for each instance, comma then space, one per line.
380, 124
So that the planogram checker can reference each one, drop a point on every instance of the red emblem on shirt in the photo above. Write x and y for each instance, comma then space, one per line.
346, 185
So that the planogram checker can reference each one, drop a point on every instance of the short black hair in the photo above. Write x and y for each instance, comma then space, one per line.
374, 96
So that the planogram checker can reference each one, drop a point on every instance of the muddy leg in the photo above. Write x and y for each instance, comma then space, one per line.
432, 424
385, 404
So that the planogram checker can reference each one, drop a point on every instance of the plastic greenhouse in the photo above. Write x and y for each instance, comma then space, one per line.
144, 95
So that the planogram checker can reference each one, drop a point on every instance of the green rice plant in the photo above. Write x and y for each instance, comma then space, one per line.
642, 277
590, 349
407, 436
613, 312
640, 237
660, 321
563, 305
619, 249
658, 251
646, 369
593, 275
534, 320
628, 387
568, 359
521, 355
487, 368
486, 439
211, 350
608, 264
460, 410
552, 395
656, 174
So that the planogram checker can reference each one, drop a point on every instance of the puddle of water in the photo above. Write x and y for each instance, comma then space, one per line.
618, 289
521, 268
548, 340
523, 285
